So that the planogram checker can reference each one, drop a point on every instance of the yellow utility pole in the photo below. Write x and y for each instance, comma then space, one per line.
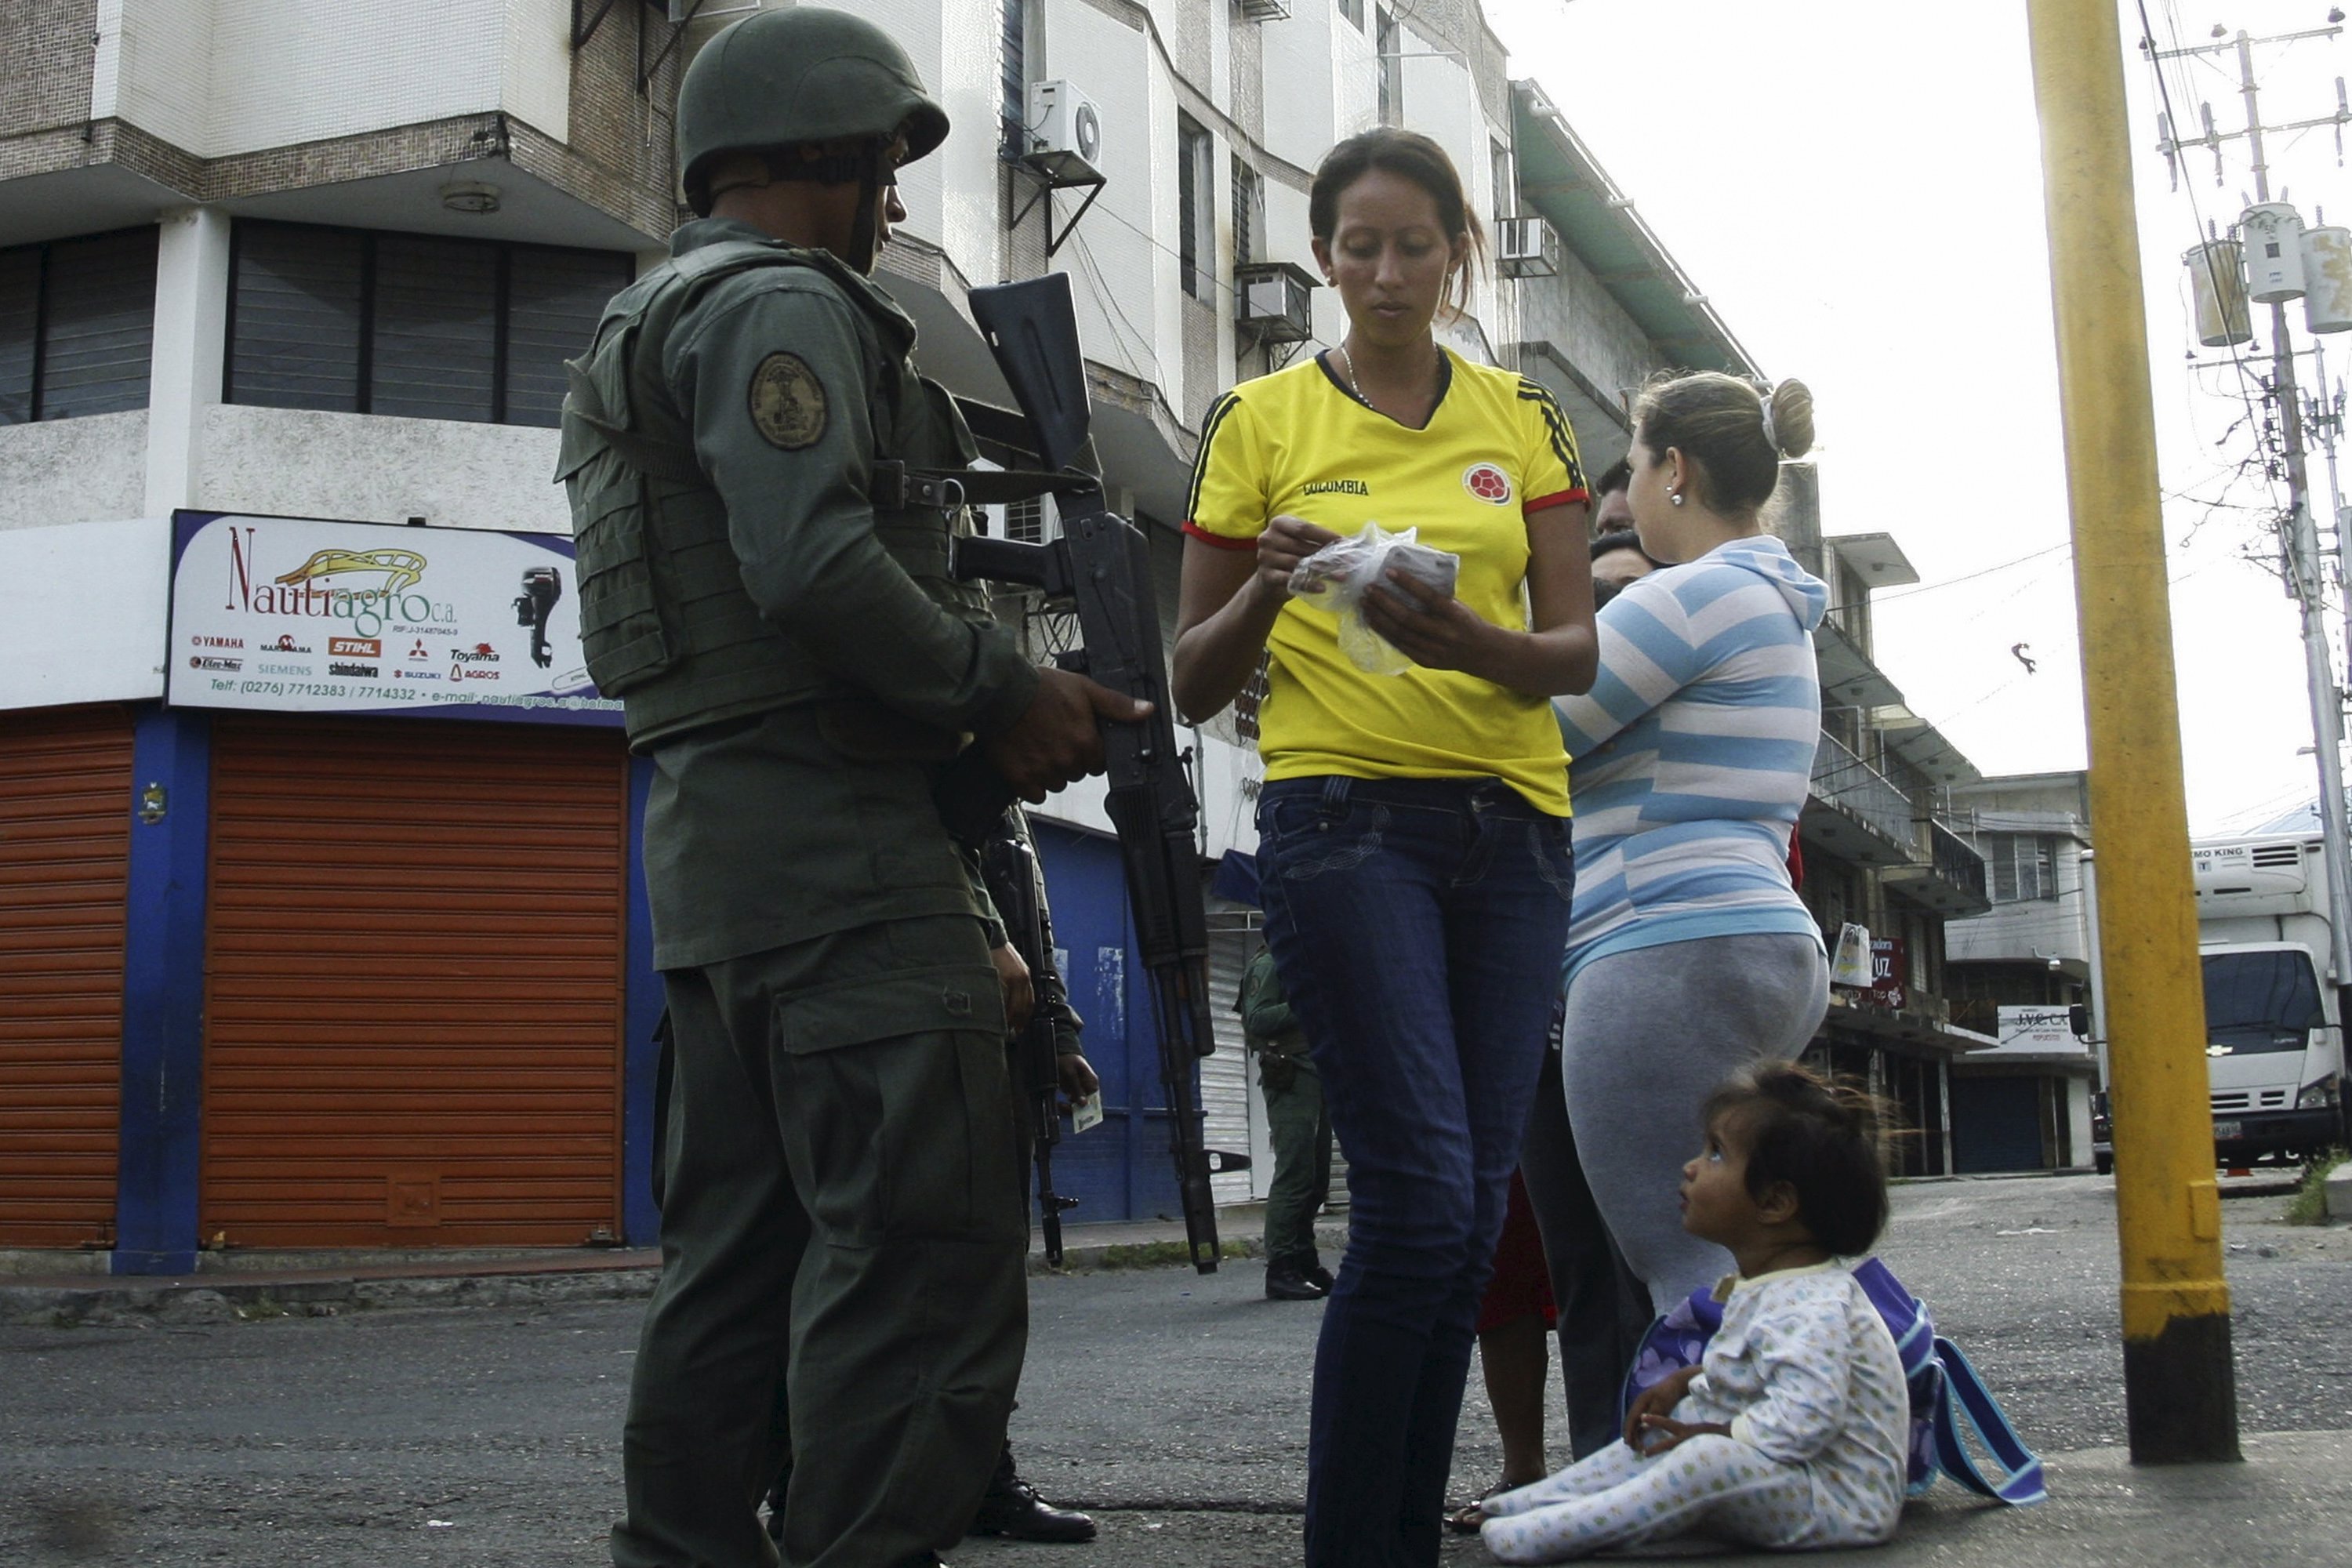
2180, 1385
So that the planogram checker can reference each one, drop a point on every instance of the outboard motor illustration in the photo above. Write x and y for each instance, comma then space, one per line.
541, 586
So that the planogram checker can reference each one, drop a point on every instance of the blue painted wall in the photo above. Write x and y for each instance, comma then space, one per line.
163, 993
1119, 1169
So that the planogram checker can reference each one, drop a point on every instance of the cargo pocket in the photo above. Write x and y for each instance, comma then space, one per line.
898, 1110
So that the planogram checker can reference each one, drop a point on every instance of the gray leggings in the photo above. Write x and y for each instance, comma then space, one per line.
1649, 1036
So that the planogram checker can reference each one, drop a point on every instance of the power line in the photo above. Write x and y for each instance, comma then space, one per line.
2196, 216
1888, 598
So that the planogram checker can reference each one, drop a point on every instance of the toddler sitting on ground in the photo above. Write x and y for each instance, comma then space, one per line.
1793, 1431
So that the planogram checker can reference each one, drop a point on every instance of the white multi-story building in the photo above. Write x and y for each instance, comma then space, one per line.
2022, 972
304, 971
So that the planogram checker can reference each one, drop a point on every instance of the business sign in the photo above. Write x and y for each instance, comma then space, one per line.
1889, 973
296, 616
2041, 1031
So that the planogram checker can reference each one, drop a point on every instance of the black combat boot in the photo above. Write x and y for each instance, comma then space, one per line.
1287, 1282
1012, 1508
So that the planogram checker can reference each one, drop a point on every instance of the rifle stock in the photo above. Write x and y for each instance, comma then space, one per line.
1010, 867
1103, 563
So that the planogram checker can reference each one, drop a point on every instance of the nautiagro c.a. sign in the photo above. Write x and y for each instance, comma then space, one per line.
301, 615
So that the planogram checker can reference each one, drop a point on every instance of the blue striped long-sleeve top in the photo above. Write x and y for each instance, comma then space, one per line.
1691, 756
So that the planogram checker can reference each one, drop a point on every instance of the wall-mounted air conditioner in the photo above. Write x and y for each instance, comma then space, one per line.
1065, 133
1526, 248
1272, 300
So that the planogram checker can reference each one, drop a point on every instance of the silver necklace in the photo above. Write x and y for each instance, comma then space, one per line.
1349, 360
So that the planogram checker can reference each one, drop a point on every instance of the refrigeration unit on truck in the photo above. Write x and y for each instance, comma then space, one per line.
2273, 1004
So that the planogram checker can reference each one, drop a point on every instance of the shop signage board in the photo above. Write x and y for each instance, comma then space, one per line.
2040, 1031
1889, 969
302, 616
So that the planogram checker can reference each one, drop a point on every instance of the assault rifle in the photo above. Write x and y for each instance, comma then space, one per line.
1102, 565
1009, 864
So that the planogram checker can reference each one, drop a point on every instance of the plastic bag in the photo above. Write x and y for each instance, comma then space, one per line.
1337, 575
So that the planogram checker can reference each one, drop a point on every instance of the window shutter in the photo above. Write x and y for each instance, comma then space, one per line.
554, 299
2000, 857
295, 340
99, 328
437, 329
20, 300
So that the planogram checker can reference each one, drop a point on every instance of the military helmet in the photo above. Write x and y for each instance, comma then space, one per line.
807, 74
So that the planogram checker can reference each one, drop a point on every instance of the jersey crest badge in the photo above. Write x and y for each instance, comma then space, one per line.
1488, 483
787, 401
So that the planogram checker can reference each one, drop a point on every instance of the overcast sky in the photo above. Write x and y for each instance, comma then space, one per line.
1856, 184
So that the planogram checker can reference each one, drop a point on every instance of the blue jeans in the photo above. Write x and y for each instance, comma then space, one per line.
1417, 925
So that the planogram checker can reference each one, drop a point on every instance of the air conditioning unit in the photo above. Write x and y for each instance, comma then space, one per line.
1526, 248
1273, 300
1065, 132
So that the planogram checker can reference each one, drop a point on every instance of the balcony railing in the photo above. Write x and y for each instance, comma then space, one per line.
1853, 785
1945, 875
1957, 862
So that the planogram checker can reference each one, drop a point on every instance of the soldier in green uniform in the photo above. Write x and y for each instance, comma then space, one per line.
764, 583
1298, 1126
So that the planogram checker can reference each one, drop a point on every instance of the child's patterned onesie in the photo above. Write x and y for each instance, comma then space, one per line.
1806, 1375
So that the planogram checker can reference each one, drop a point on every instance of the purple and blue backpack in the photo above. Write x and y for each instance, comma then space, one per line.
1948, 1397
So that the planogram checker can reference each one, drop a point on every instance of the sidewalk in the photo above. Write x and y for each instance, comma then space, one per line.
236, 1287
2286, 1507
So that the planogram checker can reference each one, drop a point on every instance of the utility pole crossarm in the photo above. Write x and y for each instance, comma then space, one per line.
2225, 45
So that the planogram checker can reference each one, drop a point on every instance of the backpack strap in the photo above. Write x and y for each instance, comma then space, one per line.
1968, 1400
1674, 1341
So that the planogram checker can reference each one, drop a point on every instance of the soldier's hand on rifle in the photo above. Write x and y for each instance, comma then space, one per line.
1058, 741
1020, 994
1077, 1076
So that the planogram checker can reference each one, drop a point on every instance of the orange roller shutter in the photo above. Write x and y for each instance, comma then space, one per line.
414, 983
65, 849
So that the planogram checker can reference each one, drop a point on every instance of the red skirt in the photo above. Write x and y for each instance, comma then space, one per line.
1521, 1287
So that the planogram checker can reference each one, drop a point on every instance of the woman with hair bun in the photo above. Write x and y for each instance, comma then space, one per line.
1690, 956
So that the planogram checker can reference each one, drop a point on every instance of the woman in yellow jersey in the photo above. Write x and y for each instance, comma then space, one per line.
1414, 845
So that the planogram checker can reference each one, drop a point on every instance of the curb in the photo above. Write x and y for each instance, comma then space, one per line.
106, 1301
1171, 1253
227, 1299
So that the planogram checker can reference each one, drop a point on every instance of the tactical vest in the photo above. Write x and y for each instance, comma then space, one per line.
664, 620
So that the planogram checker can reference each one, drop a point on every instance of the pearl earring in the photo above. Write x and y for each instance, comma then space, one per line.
1676, 497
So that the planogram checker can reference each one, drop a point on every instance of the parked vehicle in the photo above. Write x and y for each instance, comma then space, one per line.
2274, 1004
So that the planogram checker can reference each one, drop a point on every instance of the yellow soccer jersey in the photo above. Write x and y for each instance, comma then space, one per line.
1298, 442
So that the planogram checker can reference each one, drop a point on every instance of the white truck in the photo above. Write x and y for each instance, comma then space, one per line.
2273, 1004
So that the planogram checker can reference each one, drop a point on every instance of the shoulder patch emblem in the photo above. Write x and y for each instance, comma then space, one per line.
787, 401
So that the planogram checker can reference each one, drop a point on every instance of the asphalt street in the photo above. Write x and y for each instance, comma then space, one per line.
1172, 1403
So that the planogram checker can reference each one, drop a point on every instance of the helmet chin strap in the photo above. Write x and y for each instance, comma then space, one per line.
865, 235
